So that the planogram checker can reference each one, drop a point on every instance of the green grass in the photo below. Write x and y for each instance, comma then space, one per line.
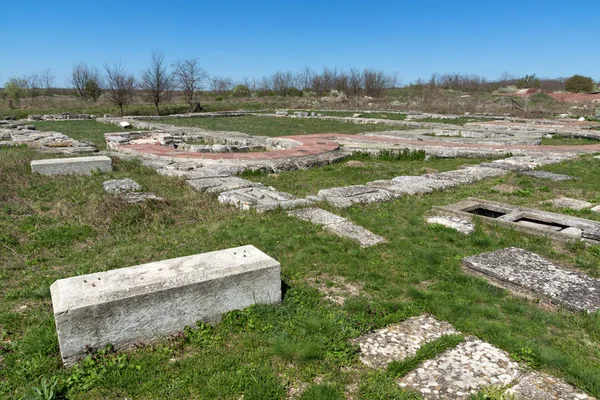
134, 109
266, 126
61, 226
567, 141
90, 131
451, 121
382, 115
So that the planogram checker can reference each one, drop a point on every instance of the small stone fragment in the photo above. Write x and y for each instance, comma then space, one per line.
566, 202
458, 224
121, 186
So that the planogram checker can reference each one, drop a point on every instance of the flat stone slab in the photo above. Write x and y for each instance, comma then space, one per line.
346, 196
121, 186
566, 202
547, 175
262, 199
147, 302
72, 166
457, 224
411, 185
338, 225
527, 273
469, 174
540, 386
463, 371
219, 185
399, 341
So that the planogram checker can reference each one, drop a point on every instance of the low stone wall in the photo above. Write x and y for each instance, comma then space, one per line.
147, 302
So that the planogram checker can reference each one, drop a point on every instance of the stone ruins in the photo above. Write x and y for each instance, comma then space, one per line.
143, 303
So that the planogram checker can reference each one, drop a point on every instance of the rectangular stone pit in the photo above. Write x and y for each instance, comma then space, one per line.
556, 226
147, 302
72, 166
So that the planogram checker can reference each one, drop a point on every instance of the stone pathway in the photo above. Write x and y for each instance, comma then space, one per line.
463, 371
547, 175
397, 342
526, 272
460, 372
540, 386
337, 225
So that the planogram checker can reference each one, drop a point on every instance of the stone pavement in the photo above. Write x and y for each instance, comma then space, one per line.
526, 272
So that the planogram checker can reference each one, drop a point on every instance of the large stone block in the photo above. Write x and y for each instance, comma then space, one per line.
72, 166
147, 302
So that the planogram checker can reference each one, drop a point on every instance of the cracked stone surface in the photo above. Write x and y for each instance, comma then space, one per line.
338, 225
261, 198
460, 372
411, 185
469, 174
399, 341
547, 175
566, 202
457, 224
527, 272
121, 186
345, 196
219, 185
540, 386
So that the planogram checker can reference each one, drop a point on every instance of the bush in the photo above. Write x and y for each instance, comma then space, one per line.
529, 82
579, 84
240, 91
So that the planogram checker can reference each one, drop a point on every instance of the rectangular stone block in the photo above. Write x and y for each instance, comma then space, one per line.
147, 302
72, 166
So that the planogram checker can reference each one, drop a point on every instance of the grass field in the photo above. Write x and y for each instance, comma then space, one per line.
567, 141
266, 126
56, 227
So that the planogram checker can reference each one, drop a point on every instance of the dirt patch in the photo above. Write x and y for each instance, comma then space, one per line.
335, 288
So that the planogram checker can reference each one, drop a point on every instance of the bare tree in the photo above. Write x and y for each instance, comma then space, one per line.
189, 77
32, 85
119, 85
304, 78
156, 82
86, 81
47, 81
355, 81
220, 85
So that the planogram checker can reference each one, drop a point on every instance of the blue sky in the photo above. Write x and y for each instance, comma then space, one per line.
255, 38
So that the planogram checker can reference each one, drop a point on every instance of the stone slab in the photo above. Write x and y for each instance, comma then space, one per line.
72, 166
338, 225
346, 196
219, 185
457, 224
547, 175
566, 202
527, 273
468, 175
537, 385
147, 302
399, 341
463, 371
262, 199
411, 185
121, 186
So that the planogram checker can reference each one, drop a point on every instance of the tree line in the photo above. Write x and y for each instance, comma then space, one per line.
159, 81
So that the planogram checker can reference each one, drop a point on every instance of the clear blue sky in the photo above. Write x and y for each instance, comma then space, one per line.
254, 38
